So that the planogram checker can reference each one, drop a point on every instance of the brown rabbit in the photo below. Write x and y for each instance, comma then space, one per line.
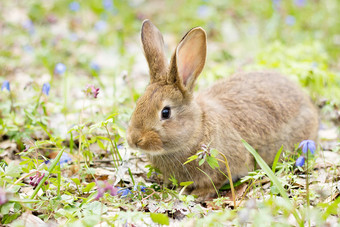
171, 123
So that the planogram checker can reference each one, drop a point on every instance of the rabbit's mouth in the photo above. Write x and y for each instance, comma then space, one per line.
148, 142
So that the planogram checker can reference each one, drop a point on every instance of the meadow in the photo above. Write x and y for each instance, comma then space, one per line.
72, 71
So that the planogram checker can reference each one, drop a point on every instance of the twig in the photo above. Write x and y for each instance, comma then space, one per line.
153, 192
23, 177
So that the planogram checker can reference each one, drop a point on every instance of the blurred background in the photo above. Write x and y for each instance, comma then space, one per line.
71, 44
70, 75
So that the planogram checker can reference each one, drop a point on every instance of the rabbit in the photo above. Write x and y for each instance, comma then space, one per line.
171, 122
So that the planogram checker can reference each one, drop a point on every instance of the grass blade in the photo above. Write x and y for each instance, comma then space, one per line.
276, 159
50, 169
274, 179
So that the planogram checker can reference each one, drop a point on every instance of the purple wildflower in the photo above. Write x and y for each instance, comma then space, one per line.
27, 147
103, 187
3, 197
28, 143
91, 90
300, 161
35, 180
204, 152
59, 69
308, 145
5, 86
74, 6
46, 88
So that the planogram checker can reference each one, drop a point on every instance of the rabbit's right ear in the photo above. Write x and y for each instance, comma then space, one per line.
188, 60
153, 46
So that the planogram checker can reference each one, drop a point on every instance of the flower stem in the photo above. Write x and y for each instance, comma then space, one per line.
307, 183
38, 101
307, 188
12, 104
115, 152
230, 180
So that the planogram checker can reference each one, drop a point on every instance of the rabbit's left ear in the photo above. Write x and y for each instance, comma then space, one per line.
189, 58
153, 46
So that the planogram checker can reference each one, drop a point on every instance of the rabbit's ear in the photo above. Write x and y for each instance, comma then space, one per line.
153, 46
189, 58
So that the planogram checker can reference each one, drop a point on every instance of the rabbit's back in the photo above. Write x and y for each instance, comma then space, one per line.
266, 109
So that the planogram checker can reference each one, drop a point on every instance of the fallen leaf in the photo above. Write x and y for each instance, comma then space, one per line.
327, 159
31, 220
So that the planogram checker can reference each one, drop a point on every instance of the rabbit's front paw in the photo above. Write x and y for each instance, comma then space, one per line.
204, 194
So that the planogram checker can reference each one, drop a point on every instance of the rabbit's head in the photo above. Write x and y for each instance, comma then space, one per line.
166, 118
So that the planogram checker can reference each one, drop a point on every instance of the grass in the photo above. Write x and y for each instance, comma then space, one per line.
99, 45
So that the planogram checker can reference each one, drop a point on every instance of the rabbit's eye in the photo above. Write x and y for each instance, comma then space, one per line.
166, 112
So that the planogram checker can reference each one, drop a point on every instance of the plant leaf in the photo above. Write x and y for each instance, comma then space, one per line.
186, 183
213, 163
161, 219
191, 158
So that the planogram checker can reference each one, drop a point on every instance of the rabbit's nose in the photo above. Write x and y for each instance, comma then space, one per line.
133, 138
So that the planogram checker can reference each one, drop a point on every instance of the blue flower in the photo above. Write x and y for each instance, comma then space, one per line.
308, 145
139, 188
29, 26
46, 88
276, 4
100, 25
59, 69
300, 3
108, 4
5, 86
120, 147
94, 66
204, 11
124, 192
290, 20
28, 48
300, 161
73, 37
65, 158
74, 6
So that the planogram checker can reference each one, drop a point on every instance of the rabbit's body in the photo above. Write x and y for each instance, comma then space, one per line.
170, 124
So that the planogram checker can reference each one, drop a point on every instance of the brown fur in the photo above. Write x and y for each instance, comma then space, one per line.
265, 109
